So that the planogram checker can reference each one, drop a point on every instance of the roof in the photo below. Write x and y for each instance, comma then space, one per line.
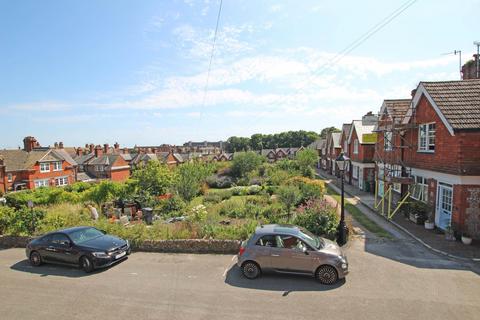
106, 159
336, 139
458, 101
277, 228
126, 156
84, 176
17, 160
83, 158
396, 108
317, 144
66, 156
346, 129
361, 129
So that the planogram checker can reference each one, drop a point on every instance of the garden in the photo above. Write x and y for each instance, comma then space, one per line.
197, 200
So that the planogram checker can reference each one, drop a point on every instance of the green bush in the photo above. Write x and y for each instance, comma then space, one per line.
220, 182
233, 208
20, 222
245, 162
41, 196
212, 197
318, 217
64, 216
274, 213
173, 206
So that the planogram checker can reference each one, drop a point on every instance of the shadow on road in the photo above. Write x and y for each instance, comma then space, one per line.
278, 282
56, 270
413, 254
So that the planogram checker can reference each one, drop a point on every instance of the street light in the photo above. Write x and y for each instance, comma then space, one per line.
342, 162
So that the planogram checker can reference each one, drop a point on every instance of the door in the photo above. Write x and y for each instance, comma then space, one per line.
60, 249
288, 255
262, 251
443, 215
360, 178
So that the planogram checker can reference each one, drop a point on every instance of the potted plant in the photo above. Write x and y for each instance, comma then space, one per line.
430, 222
449, 233
466, 239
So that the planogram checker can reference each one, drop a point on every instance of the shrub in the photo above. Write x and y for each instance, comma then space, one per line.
173, 206
290, 196
276, 176
199, 213
274, 212
19, 222
220, 182
212, 197
233, 208
63, 216
254, 189
318, 217
306, 160
190, 177
309, 188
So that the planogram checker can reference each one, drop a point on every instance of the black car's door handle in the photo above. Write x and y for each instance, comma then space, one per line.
50, 249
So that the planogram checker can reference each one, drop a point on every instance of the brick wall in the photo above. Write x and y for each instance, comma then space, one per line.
458, 154
365, 151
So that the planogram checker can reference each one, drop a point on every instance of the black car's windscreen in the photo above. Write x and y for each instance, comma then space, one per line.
84, 235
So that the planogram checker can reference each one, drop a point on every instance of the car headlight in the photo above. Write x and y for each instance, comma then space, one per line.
343, 260
128, 243
100, 255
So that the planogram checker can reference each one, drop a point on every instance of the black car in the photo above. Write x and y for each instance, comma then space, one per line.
86, 247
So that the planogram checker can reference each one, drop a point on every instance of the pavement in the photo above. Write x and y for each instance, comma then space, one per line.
388, 280
402, 228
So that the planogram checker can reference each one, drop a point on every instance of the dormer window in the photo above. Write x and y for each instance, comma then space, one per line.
44, 167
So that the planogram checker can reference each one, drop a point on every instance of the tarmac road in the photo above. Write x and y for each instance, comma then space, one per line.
388, 280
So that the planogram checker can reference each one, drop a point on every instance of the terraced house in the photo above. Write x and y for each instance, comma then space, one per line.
35, 166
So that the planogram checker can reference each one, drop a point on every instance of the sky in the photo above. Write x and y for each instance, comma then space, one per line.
136, 72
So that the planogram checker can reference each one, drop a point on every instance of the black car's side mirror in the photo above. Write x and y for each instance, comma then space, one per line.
103, 231
66, 243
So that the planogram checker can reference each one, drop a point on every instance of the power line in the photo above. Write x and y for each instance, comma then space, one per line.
211, 56
355, 44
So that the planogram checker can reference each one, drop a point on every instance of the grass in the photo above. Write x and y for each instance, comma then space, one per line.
368, 224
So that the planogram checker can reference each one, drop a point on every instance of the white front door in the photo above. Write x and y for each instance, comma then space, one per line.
360, 178
443, 217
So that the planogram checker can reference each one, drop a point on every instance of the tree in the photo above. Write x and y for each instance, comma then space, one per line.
289, 196
245, 162
154, 178
235, 144
190, 177
306, 160
325, 131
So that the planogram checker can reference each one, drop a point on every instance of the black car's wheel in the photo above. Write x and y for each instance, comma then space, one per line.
86, 264
251, 270
35, 259
326, 274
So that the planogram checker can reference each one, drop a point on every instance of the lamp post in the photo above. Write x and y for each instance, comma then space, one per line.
342, 230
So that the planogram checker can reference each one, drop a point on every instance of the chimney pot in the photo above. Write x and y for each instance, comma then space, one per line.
98, 151
29, 143
60, 145
105, 148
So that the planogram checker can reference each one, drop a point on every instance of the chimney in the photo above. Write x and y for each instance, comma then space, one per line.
414, 91
79, 151
125, 151
86, 146
55, 145
91, 147
105, 148
154, 150
116, 146
98, 151
60, 145
29, 143
369, 119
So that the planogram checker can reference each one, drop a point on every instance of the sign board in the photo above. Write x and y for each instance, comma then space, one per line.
369, 138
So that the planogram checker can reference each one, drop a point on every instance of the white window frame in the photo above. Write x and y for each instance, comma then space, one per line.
419, 189
387, 141
9, 177
57, 166
345, 147
355, 146
44, 167
61, 181
99, 168
41, 183
426, 137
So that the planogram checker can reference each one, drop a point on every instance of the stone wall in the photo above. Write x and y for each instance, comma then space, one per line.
173, 246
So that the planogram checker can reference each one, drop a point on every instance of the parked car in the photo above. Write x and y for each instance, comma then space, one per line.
86, 247
291, 249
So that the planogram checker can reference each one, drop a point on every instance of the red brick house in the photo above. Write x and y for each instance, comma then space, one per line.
361, 149
344, 143
333, 151
34, 167
445, 157
390, 146
102, 163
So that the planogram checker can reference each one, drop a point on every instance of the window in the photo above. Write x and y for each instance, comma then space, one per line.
355, 170
60, 239
426, 137
345, 147
99, 168
57, 166
355, 146
387, 141
62, 181
9, 177
266, 241
395, 171
419, 189
41, 183
44, 167
288, 242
